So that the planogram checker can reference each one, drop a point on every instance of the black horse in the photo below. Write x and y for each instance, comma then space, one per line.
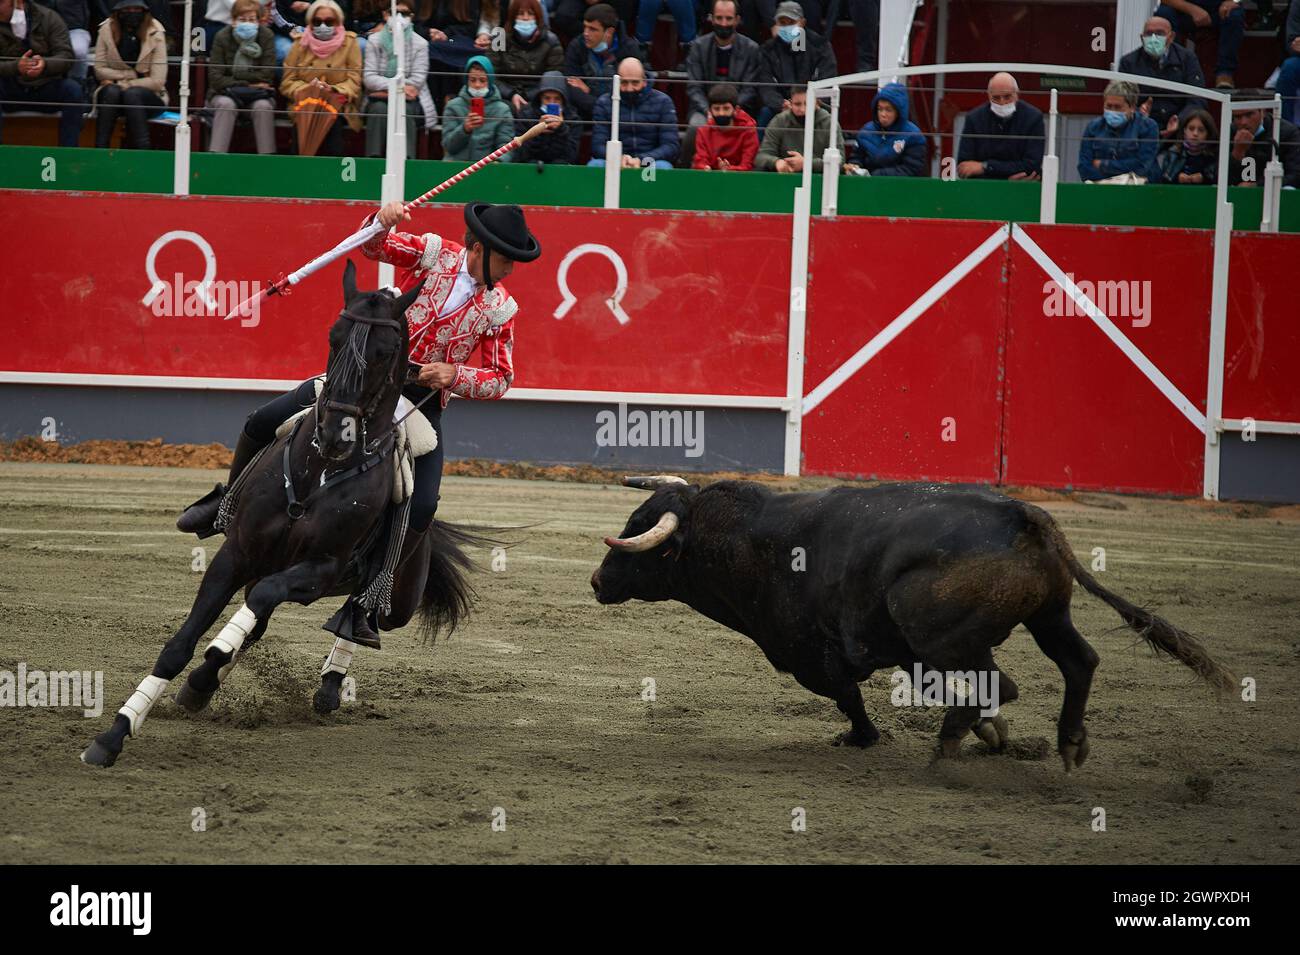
313, 509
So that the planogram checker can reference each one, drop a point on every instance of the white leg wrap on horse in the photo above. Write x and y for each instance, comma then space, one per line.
148, 693
232, 635
225, 670
340, 657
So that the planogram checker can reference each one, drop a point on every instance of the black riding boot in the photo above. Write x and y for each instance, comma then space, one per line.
198, 517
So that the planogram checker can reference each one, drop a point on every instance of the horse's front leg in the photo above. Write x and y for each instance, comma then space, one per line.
329, 697
220, 582
302, 583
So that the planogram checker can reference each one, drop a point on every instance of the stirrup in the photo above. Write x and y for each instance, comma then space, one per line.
199, 516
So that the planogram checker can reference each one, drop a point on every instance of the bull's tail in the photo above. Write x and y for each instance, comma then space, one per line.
1161, 635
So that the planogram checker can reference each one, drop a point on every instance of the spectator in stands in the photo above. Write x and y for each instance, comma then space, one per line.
723, 56
1253, 148
730, 140
217, 18
381, 66
1122, 142
327, 59
647, 121
160, 10
890, 144
1161, 58
592, 58
458, 29
35, 56
288, 19
1194, 159
1003, 138
76, 17
467, 134
683, 13
1288, 77
782, 148
241, 76
568, 16
759, 18
530, 50
1224, 15
866, 27
558, 144
131, 69
365, 17
794, 56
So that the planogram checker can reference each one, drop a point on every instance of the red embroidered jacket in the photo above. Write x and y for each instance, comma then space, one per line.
485, 321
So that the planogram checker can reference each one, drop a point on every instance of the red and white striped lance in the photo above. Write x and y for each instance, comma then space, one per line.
359, 238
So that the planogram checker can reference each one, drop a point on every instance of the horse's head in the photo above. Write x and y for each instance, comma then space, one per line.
367, 366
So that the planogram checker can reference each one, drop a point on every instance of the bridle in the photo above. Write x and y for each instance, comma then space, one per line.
325, 403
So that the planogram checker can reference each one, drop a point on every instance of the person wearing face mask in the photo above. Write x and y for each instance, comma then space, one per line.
647, 125
1003, 138
793, 57
730, 140
1122, 144
35, 56
890, 144
1193, 159
530, 50
131, 69
326, 63
241, 76
468, 135
381, 66
1159, 57
723, 55
1253, 146
591, 59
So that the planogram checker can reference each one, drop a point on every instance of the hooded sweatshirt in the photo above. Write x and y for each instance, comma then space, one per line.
736, 143
560, 146
897, 150
462, 145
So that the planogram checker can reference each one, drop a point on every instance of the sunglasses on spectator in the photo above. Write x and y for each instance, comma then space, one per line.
323, 22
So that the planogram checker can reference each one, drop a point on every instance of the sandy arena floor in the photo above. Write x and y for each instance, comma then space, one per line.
536, 708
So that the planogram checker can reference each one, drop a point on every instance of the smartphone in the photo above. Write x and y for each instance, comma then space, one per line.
476, 107
551, 109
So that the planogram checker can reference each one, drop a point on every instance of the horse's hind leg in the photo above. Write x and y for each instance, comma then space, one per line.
302, 583
337, 664
220, 583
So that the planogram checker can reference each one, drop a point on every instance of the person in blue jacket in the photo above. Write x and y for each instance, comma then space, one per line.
890, 144
1122, 140
647, 121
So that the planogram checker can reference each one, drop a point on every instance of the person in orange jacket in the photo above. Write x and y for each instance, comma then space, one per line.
730, 139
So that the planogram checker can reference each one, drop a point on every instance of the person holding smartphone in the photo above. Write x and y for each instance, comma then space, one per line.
476, 120
549, 104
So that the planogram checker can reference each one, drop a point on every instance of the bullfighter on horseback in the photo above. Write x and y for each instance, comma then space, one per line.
460, 308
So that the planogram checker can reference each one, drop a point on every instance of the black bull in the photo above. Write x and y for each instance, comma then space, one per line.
833, 585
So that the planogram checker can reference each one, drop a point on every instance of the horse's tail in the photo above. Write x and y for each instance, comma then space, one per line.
447, 592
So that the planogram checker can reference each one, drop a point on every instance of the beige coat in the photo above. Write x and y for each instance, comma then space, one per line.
150, 71
342, 70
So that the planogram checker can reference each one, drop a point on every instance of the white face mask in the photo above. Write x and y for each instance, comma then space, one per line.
18, 23
1002, 110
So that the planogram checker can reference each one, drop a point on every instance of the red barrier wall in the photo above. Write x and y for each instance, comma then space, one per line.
694, 325
929, 404
983, 386
1078, 412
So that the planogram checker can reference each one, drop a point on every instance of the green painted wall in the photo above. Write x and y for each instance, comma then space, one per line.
30, 167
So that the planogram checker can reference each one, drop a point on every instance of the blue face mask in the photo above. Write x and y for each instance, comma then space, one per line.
600, 47
525, 28
790, 33
245, 31
1114, 118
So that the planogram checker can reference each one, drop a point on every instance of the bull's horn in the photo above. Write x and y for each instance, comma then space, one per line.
650, 539
651, 481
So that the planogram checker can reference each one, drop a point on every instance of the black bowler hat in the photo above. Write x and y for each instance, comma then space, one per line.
502, 228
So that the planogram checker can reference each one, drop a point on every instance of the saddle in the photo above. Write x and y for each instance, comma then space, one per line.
415, 438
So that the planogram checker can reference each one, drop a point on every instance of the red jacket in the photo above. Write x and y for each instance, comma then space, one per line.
485, 322
737, 143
